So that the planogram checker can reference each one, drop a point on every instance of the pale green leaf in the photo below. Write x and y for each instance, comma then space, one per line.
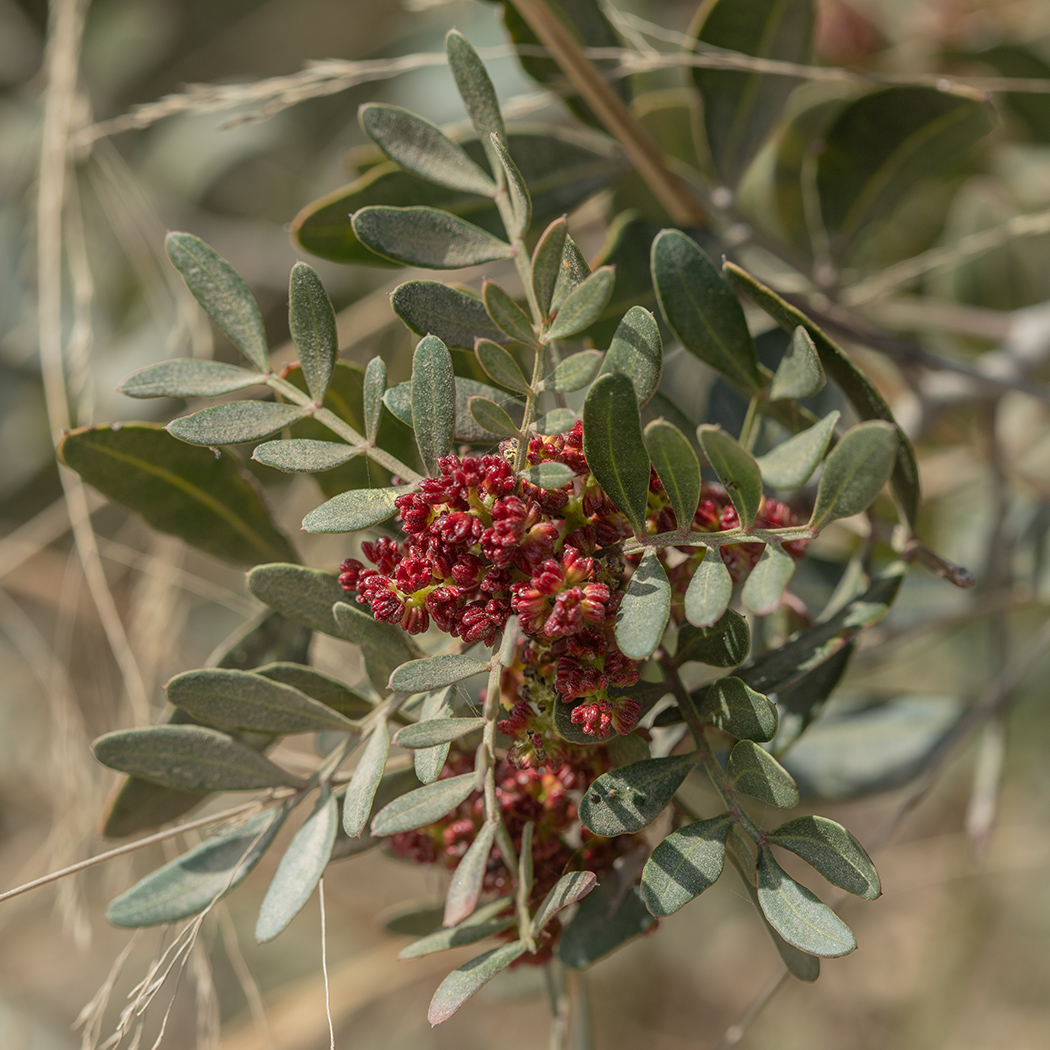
429, 761
436, 731
765, 584
483, 923
569, 889
677, 468
490, 416
235, 422
800, 373
584, 304
311, 321
500, 366
304, 455
374, 388
737, 709
469, 978
476, 90
725, 643
709, 591
517, 191
546, 263
360, 792
736, 469
424, 805
428, 237
637, 349
354, 510
757, 773
433, 401
383, 645
434, 672
685, 864
791, 464
188, 378
506, 314
549, 475
466, 882
645, 608
859, 465
833, 851
575, 372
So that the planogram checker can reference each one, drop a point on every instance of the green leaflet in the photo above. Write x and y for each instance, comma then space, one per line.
506, 314
546, 263
478, 94
305, 596
304, 455
709, 591
637, 349
766, 582
569, 889
435, 672
424, 805
311, 321
466, 882
737, 709
428, 733
235, 422
800, 965
757, 773
833, 851
208, 501
429, 761
192, 882
518, 192
859, 465
469, 978
677, 468
398, 400
361, 791
489, 416
300, 869
433, 401
428, 237
702, 311
685, 864
223, 294
548, 475
456, 318
372, 396
354, 510
484, 922
574, 372
328, 691
800, 373
500, 366
628, 799
725, 643
583, 305
645, 608
791, 464
188, 378
736, 469
571, 274
612, 440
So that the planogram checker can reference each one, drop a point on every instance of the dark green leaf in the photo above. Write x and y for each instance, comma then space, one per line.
685, 864
324, 690
506, 314
757, 773
791, 464
806, 697
300, 869
606, 920
556, 421
383, 645
433, 400
644, 611
500, 366
266, 638
833, 851
517, 191
208, 501
483, 923
311, 321
489, 416
304, 455
854, 384
223, 294
234, 422
765, 584
549, 475
677, 468
194, 881
243, 700
575, 372
191, 758
398, 399
569, 889
466, 882
637, 349
725, 643
188, 378
418, 146
797, 915
742, 108
354, 510
429, 761
628, 799
456, 318
424, 805
702, 311
738, 710
707, 596
612, 442
436, 731
546, 262
883, 144
361, 791
428, 237
469, 978
434, 672
800, 373
374, 388
476, 90
858, 467
736, 469
623, 750
583, 305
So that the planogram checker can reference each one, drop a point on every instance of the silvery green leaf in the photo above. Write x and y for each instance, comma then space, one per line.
757, 773
433, 401
311, 321
223, 294
517, 191
612, 442
571, 274
677, 468
765, 584
800, 373
433, 672
797, 915
398, 400
833, 851
418, 146
424, 805
248, 701
482, 923
500, 366
859, 465
584, 304
357, 801
454, 316
354, 510
383, 645
466, 882
300, 869
325, 690
738, 710
736, 469
429, 761
188, 378
469, 978
304, 595
436, 731
800, 965
491, 417
506, 314
637, 349
645, 608
546, 263
569, 889
575, 372
791, 464
304, 455
374, 388
428, 237
628, 799
477, 92
192, 882
235, 422
685, 864
549, 475
709, 591
190, 757
556, 421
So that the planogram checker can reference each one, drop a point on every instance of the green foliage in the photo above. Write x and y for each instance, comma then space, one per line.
736, 469
685, 864
645, 608
631, 798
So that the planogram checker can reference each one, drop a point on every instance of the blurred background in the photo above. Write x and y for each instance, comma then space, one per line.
97, 612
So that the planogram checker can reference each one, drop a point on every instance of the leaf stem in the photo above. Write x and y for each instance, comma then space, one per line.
689, 538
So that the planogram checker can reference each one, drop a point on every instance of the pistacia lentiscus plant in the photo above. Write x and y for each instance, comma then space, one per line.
561, 578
